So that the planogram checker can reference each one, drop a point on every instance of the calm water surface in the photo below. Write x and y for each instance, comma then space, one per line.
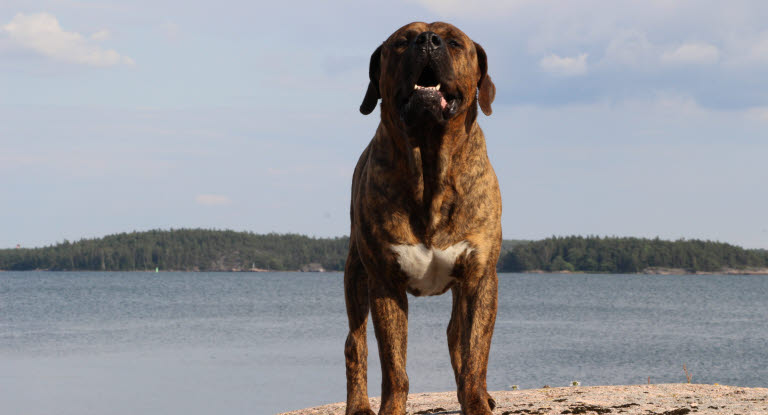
240, 343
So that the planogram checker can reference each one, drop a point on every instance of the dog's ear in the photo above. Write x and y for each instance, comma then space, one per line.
486, 90
373, 94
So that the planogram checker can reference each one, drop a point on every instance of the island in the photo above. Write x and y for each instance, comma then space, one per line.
227, 250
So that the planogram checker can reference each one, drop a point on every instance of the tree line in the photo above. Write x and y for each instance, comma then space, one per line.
628, 255
182, 250
217, 250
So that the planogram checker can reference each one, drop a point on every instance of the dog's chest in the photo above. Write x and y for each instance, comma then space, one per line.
429, 269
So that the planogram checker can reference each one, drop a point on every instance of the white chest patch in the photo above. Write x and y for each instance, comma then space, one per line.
429, 269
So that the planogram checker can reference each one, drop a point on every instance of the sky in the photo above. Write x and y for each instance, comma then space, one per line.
614, 118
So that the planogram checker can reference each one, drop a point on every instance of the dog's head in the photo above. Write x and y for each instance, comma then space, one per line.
428, 73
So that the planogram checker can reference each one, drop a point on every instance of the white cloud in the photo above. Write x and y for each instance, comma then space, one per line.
746, 50
565, 66
212, 200
276, 172
757, 49
759, 113
630, 48
479, 8
675, 103
101, 35
42, 33
171, 30
692, 53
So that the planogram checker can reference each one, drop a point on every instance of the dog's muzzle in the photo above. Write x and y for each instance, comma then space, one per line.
429, 95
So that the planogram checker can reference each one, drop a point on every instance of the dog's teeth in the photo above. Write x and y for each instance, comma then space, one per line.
428, 88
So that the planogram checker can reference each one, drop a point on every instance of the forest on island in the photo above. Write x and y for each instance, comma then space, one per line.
628, 255
225, 250
183, 250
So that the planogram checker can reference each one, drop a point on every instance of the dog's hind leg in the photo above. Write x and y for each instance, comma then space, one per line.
454, 343
356, 347
454, 335
477, 306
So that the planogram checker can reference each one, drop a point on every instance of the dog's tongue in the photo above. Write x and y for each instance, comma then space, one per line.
433, 93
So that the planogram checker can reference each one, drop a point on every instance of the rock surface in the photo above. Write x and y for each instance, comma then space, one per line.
667, 399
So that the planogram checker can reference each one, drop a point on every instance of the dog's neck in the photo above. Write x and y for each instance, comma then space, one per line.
429, 155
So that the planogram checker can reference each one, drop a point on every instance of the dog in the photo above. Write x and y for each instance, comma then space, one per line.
425, 213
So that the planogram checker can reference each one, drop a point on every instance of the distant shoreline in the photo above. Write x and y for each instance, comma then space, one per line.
224, 250
662, 271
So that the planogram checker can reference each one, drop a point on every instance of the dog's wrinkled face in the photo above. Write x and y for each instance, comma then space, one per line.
428, 73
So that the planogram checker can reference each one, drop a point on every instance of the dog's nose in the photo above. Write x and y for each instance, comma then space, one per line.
429, 40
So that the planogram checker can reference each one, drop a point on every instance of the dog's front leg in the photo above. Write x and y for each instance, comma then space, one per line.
389, 309
477, 301
356, 346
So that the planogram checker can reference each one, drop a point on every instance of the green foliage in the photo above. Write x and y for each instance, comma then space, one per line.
508, 244
627, 255
183, 250
215, 250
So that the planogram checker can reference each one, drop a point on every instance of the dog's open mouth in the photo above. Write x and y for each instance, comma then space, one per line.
429, 93
428, 84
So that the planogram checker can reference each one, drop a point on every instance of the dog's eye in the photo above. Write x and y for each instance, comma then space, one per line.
454, 43
400, 43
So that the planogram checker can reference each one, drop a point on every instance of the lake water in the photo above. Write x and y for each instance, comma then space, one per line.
260, 343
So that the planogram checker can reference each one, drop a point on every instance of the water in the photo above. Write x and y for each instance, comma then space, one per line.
241, 343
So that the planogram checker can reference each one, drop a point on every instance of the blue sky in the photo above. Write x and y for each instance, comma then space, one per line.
631, 118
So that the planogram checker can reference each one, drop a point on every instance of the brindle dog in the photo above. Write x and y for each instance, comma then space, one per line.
426, 213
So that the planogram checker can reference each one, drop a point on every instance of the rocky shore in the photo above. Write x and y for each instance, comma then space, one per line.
666, 399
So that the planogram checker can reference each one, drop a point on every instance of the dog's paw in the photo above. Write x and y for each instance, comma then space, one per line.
479, 407
362, 412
